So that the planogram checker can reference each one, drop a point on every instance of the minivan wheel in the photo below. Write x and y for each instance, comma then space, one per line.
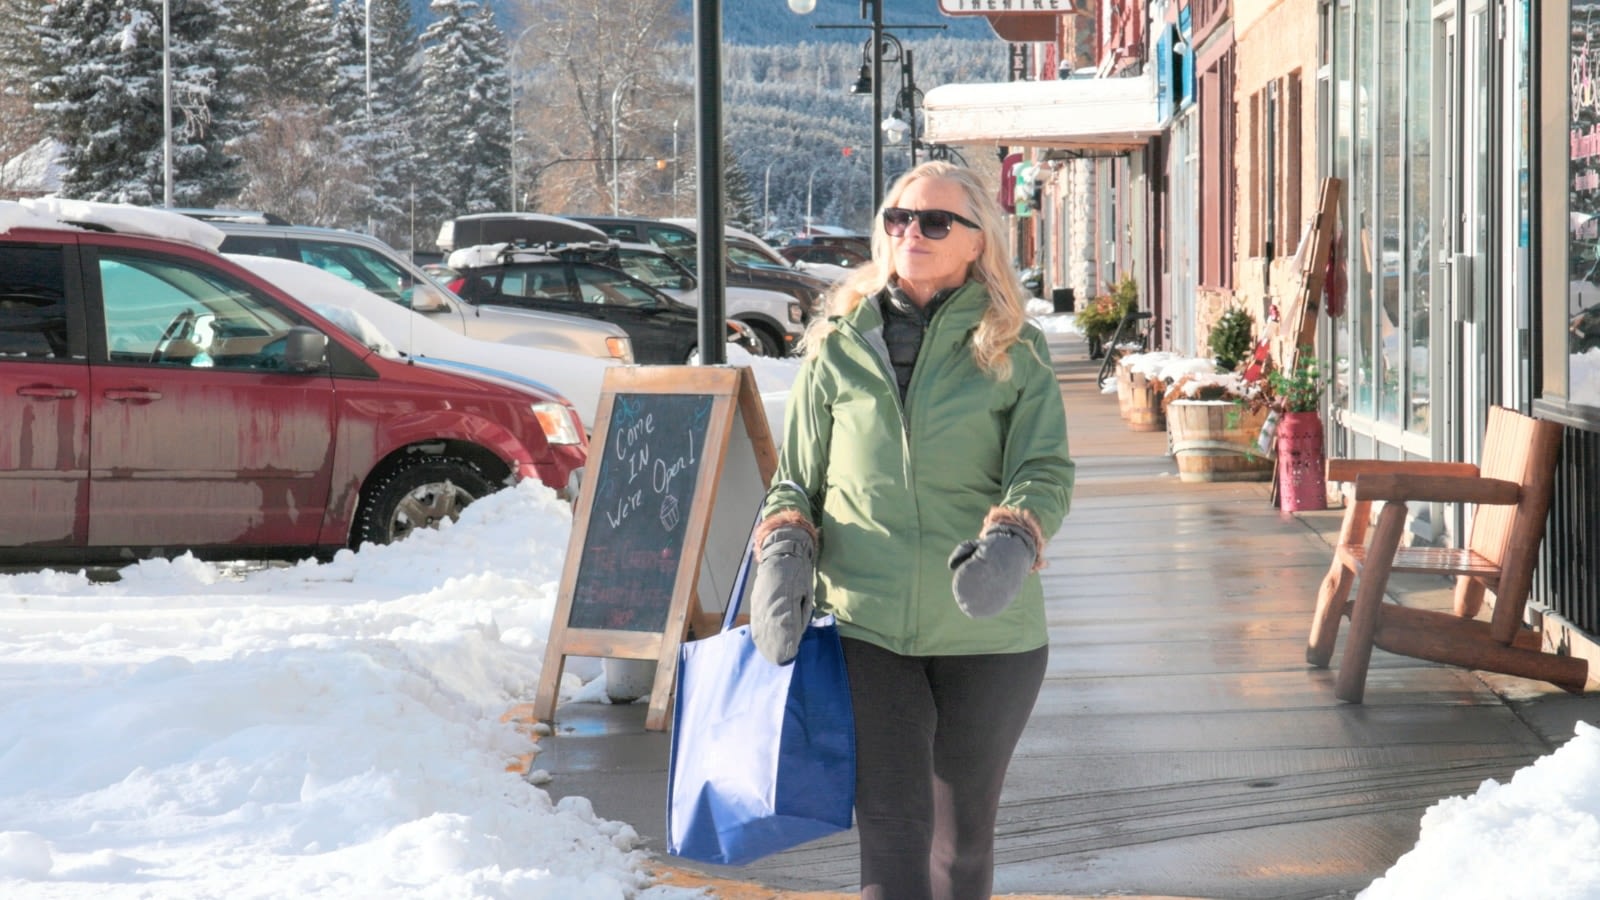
771, 345
420, 494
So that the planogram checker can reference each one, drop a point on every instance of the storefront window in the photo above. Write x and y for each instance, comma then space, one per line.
1388, 252
1416, 263
1363, 358
1337, 111
1583, 295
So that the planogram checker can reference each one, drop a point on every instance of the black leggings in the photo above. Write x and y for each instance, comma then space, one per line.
934, 736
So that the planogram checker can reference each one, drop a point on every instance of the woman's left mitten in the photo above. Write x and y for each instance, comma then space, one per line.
989, 571
780, 598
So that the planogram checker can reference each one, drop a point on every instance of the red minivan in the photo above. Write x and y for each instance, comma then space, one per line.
157, 399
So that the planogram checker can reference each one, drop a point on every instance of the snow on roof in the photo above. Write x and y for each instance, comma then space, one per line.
55, 212
14, 215
476, 256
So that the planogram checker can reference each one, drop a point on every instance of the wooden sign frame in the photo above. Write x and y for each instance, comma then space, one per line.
1299, 327
735, 465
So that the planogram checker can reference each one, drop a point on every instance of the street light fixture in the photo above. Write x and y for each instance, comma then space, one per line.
870, 79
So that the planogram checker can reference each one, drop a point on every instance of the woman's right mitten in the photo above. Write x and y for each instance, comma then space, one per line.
781, 596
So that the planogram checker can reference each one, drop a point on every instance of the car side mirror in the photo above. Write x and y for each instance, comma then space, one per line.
305, 350
425, 298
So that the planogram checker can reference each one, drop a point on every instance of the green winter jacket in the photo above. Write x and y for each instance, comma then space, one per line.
893, 491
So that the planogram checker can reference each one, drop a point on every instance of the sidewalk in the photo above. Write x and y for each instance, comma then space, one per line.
1180, 746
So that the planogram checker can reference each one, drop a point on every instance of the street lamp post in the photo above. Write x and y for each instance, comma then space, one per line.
894, 127
368, 65
766, 201
616, 165
872, 11
511, 83
166, 104
809, 180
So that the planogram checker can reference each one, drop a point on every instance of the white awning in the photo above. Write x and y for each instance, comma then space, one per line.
1090, 115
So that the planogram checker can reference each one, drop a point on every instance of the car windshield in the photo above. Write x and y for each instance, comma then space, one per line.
749, 256
654, 269
599, 284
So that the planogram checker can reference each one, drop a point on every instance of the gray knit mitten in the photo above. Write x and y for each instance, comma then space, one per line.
781, 597
989, 571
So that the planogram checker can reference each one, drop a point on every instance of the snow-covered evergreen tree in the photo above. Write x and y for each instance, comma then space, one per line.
283, 50
292, 158
100, 86
466, 113
738, 200
381, 126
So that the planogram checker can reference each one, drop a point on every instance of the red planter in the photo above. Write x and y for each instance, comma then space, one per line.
1302, 470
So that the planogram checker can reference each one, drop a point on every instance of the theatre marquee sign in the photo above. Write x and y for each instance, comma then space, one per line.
990, 7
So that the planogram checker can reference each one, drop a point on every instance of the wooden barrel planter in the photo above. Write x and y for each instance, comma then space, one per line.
1124, 390
1215, 440
1144, 404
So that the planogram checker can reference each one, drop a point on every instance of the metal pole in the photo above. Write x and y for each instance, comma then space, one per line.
166, 104
616, 95
674, 167
708, 160
877, 100
369, 61
809, 180
511, 83
766, 202
911, 103
370, 229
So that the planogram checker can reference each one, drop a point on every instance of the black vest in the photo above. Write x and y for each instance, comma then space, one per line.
903, 327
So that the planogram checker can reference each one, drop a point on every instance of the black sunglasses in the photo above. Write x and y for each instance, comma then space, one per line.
933, 223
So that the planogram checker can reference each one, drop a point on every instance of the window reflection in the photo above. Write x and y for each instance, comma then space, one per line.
1583, 254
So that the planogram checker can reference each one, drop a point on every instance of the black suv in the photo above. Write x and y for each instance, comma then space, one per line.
576, 281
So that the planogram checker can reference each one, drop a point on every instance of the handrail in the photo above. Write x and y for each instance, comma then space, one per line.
1110, 357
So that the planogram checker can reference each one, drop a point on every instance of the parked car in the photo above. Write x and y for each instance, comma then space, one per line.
777, 319
365, 261
161, 399
406, 334
821, 253
642, 230
749, 261
663, 330
513, 227
754, 263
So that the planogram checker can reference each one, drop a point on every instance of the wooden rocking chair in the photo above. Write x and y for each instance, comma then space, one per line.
1510, 497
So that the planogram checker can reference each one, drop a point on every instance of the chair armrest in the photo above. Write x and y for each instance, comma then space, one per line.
1350, 469
1437, 489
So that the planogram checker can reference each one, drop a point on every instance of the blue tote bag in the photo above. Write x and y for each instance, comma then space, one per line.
763, 756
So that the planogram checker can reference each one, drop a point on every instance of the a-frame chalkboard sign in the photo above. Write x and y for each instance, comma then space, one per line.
679, 460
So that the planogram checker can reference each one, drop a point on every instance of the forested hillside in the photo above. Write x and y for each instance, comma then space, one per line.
769, 22
788, 110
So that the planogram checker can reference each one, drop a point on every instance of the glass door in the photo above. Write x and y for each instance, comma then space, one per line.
1469, 365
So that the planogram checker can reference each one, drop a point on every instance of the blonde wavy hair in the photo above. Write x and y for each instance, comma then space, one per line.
1003, 319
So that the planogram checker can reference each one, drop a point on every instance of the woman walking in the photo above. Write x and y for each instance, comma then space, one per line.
923, 467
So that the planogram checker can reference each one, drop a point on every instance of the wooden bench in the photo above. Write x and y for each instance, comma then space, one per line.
1509, 496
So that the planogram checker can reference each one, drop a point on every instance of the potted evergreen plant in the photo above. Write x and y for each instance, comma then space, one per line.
1232, 339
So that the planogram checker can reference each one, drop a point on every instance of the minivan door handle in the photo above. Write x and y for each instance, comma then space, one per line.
47, 391
133, 395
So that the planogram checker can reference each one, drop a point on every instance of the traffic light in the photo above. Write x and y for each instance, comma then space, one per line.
661, 165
